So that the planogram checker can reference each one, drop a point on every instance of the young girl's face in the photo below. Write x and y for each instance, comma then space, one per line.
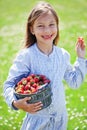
45, 29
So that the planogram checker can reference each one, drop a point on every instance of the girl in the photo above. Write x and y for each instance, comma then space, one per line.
41, 56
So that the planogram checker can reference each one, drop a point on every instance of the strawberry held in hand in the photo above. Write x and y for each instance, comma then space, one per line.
31, 84
80, 47
81, 42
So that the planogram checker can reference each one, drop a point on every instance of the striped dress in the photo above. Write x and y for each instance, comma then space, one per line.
57, 68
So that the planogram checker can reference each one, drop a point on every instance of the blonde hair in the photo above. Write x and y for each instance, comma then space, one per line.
38, 10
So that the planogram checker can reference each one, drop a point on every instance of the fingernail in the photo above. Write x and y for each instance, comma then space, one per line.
29, 97
41, 104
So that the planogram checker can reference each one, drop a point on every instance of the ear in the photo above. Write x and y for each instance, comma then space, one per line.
32, 31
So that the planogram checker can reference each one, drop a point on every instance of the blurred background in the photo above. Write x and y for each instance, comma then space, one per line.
73, 23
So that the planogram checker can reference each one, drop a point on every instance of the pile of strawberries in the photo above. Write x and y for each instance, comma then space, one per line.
31, 84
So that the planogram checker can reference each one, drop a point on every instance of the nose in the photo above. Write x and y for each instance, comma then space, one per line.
47, 30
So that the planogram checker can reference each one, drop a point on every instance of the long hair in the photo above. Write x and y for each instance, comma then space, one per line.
38, 10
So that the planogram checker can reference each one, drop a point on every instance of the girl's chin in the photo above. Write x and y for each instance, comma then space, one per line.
48, 39
45, 41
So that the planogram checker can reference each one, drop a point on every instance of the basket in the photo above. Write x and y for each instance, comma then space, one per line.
44, 94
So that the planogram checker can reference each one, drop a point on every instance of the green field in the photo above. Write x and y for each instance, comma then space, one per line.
73, 23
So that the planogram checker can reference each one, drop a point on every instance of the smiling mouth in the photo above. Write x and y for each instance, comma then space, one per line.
47, 37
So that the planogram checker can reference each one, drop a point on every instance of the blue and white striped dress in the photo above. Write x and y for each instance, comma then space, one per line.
57, 68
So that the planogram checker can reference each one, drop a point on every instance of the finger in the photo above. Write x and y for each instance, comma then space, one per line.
33, 109
77, 46
83, 46
80, 45
37, 108
38, 103
26, 99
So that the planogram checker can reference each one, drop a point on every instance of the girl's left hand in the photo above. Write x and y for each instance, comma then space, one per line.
80, 48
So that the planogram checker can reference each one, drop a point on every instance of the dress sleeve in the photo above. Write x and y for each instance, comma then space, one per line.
74, 75
19, 69
86, 66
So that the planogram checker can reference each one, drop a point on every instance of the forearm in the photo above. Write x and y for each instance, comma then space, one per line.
9, 94
74, 76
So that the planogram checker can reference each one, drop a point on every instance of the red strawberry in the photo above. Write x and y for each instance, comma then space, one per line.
19, 86
36, 79
32, 81
20, 90
27, 92
81, 42
46, 81
33, 90
27, 87
29, 78
80, 39
35, 85
41, 83
23, 87
32, 75
42, 77
19, 83
38, 87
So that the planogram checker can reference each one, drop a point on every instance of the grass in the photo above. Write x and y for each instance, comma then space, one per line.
73, 21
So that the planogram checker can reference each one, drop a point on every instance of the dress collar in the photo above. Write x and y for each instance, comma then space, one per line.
43, 54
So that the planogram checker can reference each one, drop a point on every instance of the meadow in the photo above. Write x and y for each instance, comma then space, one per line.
73, 23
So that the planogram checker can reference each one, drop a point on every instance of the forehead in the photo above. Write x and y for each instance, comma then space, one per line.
48, 16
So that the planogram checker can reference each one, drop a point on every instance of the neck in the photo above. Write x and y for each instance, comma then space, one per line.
46, 49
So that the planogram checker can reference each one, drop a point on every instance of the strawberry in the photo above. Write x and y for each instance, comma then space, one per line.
33, 90
46, 81
19, 83
19, 90
26, 87
81, 42
32, 81
36, 79
24, 81
38, 87
19, 86
34, 85
27, 92
29, 78
41, 83
32, 75
80, 39
42, 77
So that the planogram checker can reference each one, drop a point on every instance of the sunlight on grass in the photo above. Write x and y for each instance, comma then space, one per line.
10, 30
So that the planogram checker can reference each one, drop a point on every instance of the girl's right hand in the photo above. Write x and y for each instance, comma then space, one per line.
31, 108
